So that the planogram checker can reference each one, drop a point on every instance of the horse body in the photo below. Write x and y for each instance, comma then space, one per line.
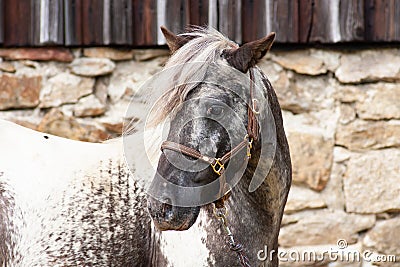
63, 210
70, 203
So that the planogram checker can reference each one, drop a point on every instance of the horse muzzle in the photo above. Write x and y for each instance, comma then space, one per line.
168, 217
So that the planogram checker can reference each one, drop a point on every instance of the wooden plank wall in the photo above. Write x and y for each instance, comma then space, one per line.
17, 23
137, 22
382, 20
72, 22
145, 21
47, 20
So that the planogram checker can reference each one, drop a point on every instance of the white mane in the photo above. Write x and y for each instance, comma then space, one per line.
205, 47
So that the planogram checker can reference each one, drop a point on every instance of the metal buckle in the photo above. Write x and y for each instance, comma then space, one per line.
220, 166
249, 147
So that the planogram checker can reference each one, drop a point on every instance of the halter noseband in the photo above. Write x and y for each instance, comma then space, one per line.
218, 164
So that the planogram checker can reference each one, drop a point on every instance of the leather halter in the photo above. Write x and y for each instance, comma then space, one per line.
218, 164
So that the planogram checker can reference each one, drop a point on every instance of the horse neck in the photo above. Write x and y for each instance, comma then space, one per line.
258, 214
264, 203
254, 218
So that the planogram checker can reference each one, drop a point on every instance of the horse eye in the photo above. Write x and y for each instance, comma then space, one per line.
215, 110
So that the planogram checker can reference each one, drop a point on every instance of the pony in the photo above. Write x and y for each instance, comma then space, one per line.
71, 203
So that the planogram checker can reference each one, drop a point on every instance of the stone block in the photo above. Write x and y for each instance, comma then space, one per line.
101, 89
129, 76
19, 91
374, 101
369, 66
384, 237
89, 106
379, 101
148, 54
363, 135
56, 123
347, 113
311, 159
348, 93
371, 183
340, 154
299, 93
110, 53
65, 88
115, 117
324, 227
301, 198
92, 67
311, 144
307, 61
42, 53
332, 194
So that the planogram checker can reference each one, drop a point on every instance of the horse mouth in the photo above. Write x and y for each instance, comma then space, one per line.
166, 226
172, 218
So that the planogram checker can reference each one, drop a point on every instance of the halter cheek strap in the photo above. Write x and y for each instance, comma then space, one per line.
252, 111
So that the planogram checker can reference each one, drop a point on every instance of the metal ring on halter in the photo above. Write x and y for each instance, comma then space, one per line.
250, 140
220, 212
254, 104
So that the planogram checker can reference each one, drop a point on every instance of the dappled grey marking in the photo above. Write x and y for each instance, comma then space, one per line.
208, 75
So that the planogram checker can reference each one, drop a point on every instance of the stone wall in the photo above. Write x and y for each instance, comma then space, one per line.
342, 117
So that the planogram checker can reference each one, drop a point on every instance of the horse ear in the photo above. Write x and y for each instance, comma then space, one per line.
249, 54
174, 41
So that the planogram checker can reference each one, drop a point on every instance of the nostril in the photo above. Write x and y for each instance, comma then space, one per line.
166, 200
166, 211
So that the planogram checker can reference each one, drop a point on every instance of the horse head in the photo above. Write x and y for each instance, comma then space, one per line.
213, 126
